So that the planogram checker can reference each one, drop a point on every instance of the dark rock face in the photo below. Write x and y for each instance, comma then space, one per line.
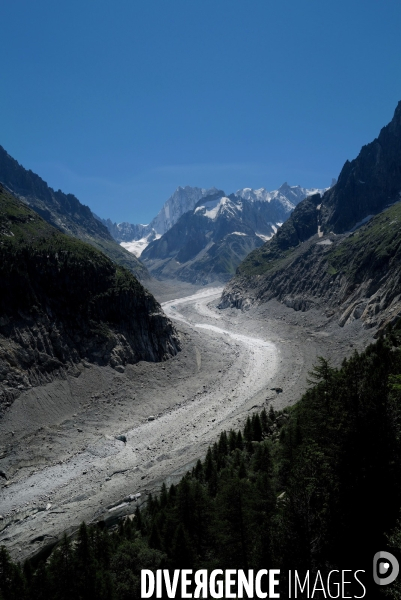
349, 277
36, 350
369, 183
353, 276
366, 186
302, 224
64, 304
64, 211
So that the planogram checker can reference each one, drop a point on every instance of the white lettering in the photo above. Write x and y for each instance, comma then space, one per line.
185, 582
147, 577
344, 582
158, 583
301, 588
171, 588
216, 588
229, 583
337, 585
245, 584
321, 588
258, 590
273, 582
201, 583
360, 582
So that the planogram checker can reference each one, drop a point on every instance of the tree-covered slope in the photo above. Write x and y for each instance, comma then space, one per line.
64, 211
62, 302
314, 488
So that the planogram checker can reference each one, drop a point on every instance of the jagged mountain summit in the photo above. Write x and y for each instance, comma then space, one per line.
136, 238
207, 243
64, 211
287, 195
367, 184
65, 304
180, 202
339, 251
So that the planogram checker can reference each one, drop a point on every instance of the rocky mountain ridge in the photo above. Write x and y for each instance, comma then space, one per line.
367, 184
332, 253
181, 201
65, 304
64, 211
287, 195
136, 238
207, 243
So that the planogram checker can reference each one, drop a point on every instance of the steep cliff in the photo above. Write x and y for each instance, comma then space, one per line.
64, 303
315, 260
366, 185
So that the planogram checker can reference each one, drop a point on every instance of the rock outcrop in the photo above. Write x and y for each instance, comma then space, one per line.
332, 252
348, 276
64, 304
367, 184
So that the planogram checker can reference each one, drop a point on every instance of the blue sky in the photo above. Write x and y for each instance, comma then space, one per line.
120, 102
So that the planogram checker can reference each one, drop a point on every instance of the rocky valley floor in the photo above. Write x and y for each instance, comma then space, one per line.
58, 443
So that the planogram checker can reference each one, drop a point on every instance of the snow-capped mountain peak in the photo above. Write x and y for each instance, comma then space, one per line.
213, 204
260, 195
181, 201
212, 209
288, 195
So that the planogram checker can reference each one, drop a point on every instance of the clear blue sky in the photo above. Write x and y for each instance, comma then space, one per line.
120, 102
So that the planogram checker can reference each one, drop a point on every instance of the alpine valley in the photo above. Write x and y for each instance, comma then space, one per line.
261, 431
201, 236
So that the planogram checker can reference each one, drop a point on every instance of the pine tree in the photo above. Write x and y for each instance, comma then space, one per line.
240, 443
264, 421
12, 581
232, 520
223, 444
232, 440
248, 430
163, 496
62, 571
198, 471
272, 414
209, 462
85, 565
256, 427
182, 556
